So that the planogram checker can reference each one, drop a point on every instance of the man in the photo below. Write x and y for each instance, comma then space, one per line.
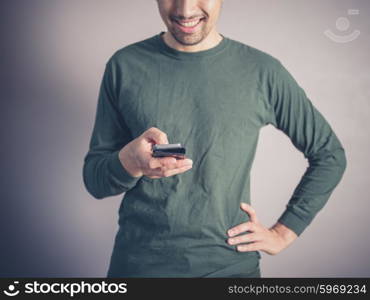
192, 85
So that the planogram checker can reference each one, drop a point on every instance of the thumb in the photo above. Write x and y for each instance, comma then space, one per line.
250, 211
155, 136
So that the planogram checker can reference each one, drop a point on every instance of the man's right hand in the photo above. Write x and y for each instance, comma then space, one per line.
136, 157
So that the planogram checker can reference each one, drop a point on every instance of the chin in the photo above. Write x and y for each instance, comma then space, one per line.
189, 39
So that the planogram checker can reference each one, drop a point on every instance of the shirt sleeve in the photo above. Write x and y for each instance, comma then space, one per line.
293, 113
103, 173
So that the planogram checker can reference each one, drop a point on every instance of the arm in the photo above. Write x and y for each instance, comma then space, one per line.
293, 113
103, 173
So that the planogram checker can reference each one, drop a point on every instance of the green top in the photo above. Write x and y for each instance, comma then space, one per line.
214, 102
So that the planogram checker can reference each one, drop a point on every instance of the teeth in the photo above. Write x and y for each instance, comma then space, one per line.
189, 24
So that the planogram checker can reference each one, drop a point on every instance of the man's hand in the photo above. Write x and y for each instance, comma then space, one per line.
271, 241
136, 157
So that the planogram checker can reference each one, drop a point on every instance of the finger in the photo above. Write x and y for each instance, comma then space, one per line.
159, 162
173, 163
153, 177
250, 211
183, 162
169, 163
245, 238
154, 163
159, 173
172, 172
156, 135
155, 173
250, 247
247, 226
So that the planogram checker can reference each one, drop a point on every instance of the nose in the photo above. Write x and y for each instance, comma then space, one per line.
187, 9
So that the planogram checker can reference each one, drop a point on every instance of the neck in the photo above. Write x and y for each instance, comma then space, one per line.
210, 41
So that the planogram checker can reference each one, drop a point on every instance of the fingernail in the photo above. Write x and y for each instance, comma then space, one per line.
189, 162
230, 232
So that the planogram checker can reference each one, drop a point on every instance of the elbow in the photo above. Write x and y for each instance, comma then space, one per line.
90, 186
95, 194
339, 163
99, 180
332, 163
342, 160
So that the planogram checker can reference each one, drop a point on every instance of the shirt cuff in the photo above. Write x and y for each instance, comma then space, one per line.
119, 173
293, 222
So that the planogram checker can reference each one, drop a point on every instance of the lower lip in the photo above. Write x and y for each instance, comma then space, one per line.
188, 29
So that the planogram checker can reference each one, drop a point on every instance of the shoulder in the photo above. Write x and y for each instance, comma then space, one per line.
257, 58
134, 51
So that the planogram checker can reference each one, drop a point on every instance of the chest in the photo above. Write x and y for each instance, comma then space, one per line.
191, 101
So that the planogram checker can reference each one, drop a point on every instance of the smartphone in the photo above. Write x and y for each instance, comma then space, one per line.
163, 150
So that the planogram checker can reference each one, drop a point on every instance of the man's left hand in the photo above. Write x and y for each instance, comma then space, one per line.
270, 240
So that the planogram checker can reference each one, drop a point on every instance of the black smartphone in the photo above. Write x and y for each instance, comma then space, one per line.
163, 150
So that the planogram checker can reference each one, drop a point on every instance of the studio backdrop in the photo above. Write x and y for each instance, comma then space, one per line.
53, 54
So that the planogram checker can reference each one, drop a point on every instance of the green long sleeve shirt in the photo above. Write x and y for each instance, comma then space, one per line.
214, 102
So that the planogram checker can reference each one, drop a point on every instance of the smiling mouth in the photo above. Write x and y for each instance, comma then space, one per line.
189, 23
188, 26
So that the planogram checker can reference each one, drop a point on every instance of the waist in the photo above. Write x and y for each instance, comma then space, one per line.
195, 259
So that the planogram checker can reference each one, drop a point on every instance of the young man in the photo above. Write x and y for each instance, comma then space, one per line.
192, 85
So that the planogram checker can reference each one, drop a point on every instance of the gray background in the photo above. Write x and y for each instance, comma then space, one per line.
53, 54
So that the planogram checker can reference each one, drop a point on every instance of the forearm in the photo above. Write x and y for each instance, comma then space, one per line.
325, 171
104, 175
